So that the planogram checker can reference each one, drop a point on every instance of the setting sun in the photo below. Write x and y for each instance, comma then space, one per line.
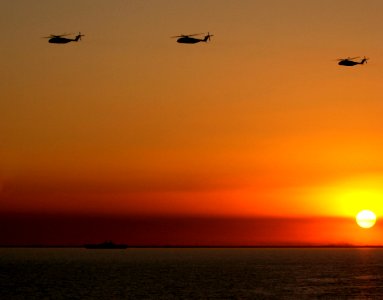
366, 219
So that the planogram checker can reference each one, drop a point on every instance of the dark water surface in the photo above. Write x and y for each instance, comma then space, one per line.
238, 273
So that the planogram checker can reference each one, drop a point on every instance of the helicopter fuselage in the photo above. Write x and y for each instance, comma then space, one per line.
60, 40
348, 63
188, 40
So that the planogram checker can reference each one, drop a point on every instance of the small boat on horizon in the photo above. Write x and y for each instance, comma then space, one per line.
106, 245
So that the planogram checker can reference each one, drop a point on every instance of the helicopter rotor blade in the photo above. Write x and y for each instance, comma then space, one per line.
181, 35
57, 35
195, 34
185, 35
348, 58
351, 58
52, 36
80, 35
61, 35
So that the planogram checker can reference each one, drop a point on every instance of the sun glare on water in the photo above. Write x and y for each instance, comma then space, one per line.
366, 219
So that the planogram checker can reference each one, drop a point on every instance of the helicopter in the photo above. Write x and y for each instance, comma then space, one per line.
60, 39
188, 39
349, 61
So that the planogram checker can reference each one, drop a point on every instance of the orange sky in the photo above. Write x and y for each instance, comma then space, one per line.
261, 122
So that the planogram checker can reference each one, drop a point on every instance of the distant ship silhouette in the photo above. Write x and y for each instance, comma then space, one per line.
106, 245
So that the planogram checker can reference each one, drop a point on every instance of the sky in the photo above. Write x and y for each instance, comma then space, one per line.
259, 124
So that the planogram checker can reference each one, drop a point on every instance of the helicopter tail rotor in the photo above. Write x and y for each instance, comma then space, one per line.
78, 37
364, 60
208, 37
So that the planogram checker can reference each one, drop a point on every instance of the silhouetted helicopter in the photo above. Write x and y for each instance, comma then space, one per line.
188, 39
349, 62
60, 39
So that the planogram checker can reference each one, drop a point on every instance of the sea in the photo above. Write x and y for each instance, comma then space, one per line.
191, 273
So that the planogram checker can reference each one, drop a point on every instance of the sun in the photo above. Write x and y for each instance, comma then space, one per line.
365, 218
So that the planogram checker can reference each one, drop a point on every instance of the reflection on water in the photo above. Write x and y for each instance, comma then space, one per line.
191, 273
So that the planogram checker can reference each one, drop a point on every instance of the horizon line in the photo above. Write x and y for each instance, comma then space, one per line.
204, 246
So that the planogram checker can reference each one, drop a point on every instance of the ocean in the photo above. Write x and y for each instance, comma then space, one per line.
191, 273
